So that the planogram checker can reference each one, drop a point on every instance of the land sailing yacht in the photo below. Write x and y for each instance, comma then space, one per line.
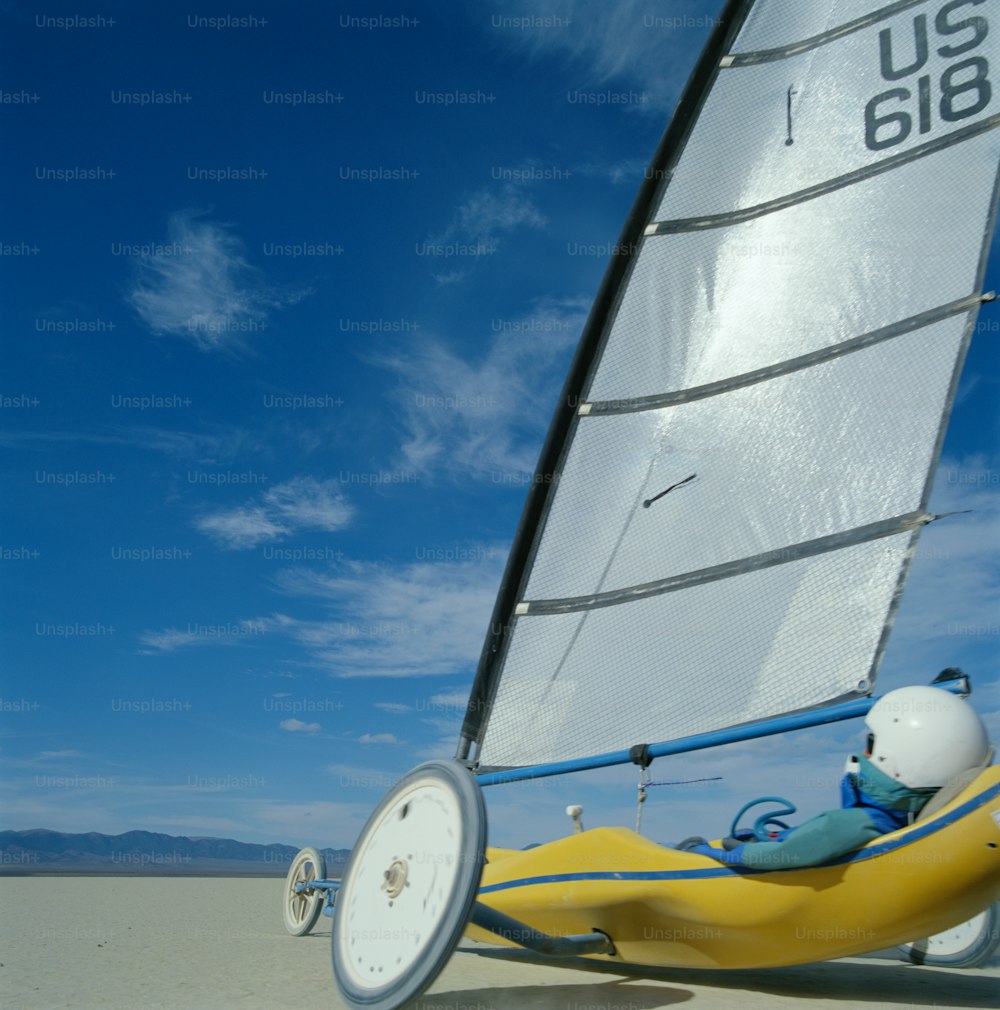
724, 512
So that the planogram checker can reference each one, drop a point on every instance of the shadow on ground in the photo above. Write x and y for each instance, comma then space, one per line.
599, 996
855, 982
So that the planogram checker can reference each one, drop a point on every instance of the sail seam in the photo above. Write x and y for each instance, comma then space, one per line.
815, 41
658, 400
768, 559
687, 224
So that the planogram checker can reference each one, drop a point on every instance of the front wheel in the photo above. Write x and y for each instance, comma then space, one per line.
967, 945
409, 887
301, 909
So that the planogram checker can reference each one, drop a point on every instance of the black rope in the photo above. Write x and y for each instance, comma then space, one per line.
656, 497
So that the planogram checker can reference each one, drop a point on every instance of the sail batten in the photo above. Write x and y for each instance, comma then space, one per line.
729, 499
679, 225
804, 45
958, 307
792, 552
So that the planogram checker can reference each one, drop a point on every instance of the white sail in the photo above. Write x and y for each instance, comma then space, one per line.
781, 352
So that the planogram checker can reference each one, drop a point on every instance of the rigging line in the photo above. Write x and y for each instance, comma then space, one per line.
656, 497
686, 224
613, 554
753, 57
685, 782
729, 569
802, 361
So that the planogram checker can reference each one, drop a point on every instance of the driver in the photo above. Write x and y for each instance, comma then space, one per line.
920, 739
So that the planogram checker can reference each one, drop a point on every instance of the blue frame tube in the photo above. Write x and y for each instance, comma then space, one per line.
524, 935
734, 734
317, 885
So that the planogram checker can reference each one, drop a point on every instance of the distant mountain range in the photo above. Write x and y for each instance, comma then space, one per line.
149, 853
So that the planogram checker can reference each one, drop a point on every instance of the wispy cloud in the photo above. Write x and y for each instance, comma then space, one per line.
298, 726
625, 172
377, 738
485, 215
242, 528
200, 286
450, 700
631, 42
307, 503
395, 707
362, 776
477, 228
167, 640
302, 503
485, 420
420, 620
208, 447
171, 639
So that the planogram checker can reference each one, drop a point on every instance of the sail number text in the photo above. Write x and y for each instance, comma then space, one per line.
962, 90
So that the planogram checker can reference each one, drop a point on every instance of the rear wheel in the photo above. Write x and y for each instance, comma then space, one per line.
301, 909
966, 945
409, 887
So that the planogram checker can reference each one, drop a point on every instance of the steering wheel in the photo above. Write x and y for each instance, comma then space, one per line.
761, 825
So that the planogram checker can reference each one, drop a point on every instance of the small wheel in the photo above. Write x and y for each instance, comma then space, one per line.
409, 887
301, 909
966, 945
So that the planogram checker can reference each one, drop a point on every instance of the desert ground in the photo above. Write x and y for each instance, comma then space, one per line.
212, 944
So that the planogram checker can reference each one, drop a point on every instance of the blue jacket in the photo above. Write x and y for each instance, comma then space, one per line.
872, 804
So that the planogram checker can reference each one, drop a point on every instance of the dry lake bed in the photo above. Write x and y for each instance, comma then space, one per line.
125, 943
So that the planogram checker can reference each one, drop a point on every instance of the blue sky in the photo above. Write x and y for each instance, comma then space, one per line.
289, 301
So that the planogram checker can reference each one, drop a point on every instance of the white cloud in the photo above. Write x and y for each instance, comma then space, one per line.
377, 738
310, 504
298, 726
625, 172
170, 639
242, 528
420, 620
477, 226
299, 503
362, 775
453, 699
166, 641
199, 285
485, 420
486, 214
207, 448
630, 43
396, 708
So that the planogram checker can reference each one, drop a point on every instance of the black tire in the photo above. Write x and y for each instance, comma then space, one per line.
301, 909
408, 890
966, 945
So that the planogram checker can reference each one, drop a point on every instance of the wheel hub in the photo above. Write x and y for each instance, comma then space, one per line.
395, 878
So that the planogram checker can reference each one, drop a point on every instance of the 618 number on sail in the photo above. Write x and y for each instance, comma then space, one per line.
964, 87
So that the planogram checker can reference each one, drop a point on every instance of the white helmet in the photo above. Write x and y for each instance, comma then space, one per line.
924, 736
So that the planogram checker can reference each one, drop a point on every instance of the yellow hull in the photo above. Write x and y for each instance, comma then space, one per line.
679, 909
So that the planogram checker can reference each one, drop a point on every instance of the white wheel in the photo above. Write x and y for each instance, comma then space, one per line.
301, 909
409, 887
966, 945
